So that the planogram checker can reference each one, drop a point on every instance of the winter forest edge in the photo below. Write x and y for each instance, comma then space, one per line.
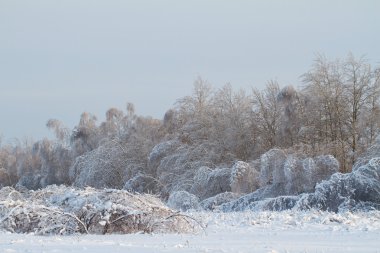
309, 147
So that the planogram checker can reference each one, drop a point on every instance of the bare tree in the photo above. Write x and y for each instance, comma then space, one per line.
62, 133
361, 90
267, 114
85, 136
346, 91
232, 124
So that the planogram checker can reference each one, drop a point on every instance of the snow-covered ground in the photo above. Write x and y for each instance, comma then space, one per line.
311, 231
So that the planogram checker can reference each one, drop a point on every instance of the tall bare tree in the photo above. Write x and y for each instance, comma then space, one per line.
267, 114
345, 91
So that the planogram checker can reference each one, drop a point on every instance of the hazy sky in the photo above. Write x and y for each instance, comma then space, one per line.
59, 58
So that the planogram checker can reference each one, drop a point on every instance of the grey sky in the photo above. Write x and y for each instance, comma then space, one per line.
60, 58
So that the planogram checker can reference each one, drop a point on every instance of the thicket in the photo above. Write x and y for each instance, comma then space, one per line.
215, 140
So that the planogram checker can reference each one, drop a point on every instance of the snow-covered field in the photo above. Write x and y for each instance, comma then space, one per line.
311, 231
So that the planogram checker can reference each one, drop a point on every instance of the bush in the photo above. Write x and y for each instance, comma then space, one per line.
103, 167
142, 184
244, 178
292, 174
208, 182
183, 201
217, 200
64, 210
355, 191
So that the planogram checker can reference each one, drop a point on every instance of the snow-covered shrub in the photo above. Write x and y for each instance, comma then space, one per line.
373, 151
355, 191
64, 210
183, 201
243, 203
272, 167
30, 181
214, 202
275, 204
160, 151
176, 170
294, 175
103, 167
346, 191
302, 174
244, 178
208, 183
326, 165
290, 174
142, 184
309, 168
200, 181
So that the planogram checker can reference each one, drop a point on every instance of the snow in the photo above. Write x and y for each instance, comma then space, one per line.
310, 231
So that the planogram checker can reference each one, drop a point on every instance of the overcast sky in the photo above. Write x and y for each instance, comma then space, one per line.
59, 58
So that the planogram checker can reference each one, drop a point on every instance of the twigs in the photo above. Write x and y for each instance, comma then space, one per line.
9, 214
188, 217
185, 218
70, 215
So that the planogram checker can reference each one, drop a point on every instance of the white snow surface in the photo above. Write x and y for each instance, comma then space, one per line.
287, 231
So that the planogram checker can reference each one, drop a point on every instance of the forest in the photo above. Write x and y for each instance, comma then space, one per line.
220, 148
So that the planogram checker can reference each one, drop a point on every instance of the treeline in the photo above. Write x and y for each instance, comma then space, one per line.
334, 112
